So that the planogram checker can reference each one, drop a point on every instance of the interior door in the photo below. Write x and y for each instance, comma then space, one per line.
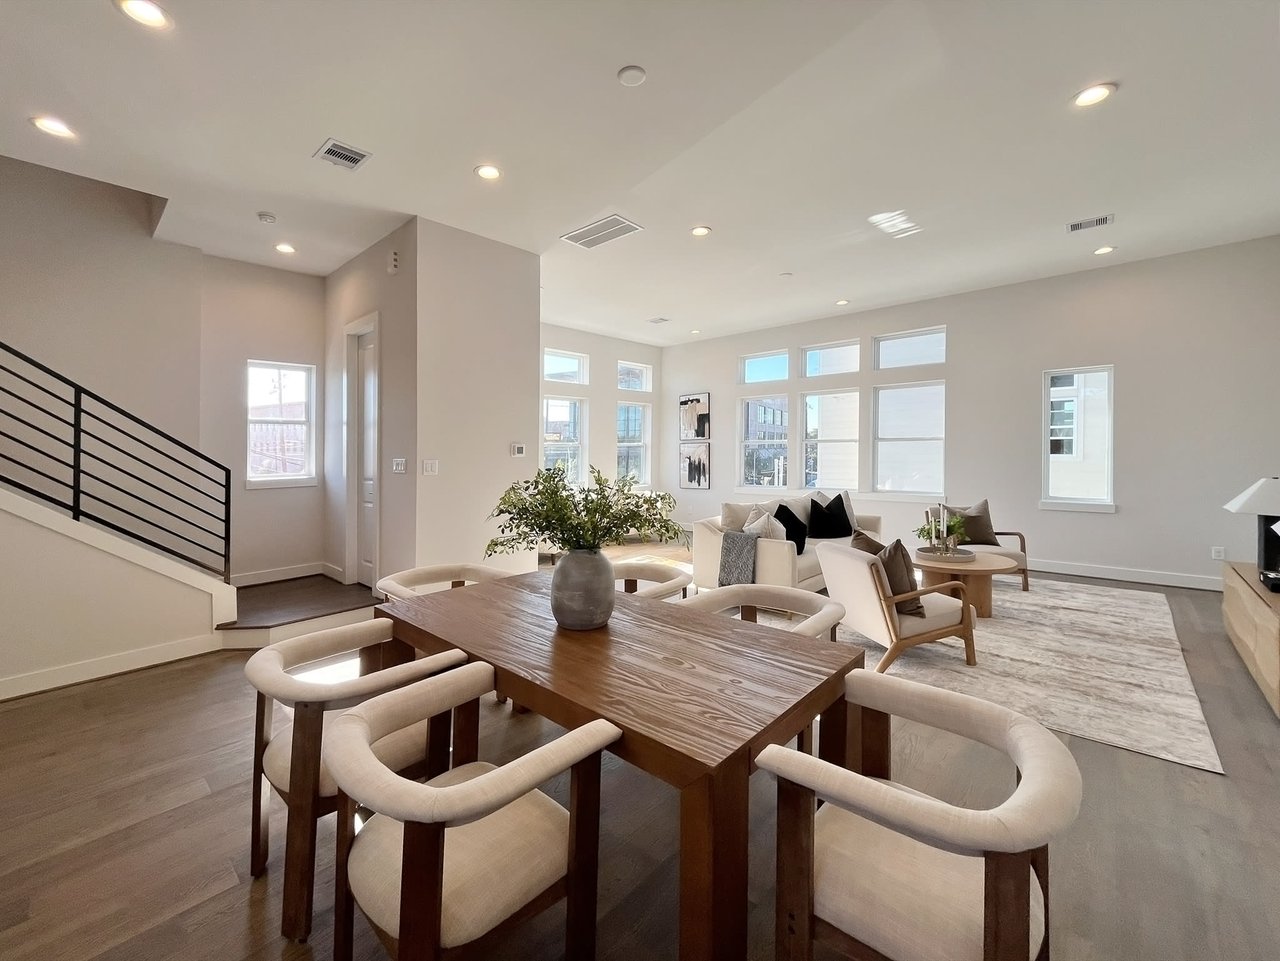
367, 518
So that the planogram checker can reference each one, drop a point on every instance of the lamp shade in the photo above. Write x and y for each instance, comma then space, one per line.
1262, 497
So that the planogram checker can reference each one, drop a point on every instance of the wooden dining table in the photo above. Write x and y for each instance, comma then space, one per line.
697, 696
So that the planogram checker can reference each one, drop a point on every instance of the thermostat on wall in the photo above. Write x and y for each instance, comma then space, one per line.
517, 450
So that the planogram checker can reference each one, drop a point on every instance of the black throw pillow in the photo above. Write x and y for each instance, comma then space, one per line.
796, 531
830, 519
901, 573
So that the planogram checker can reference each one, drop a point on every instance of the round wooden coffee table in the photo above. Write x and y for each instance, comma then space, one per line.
975, 575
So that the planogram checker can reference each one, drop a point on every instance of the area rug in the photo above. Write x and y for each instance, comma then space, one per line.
1093, 662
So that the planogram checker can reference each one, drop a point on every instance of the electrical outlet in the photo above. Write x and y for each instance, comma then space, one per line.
1218, 553
430, 467
397, 465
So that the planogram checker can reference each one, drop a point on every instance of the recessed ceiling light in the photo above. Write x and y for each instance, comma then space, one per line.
488, 172
695, 331
145, 12
842, 303
1103, 250
54, 127
631, 76
285, 248
700, 231
1095, 94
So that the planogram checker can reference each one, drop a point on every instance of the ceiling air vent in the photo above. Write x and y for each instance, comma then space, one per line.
659, 320
602, 231
341, 155
1091, 222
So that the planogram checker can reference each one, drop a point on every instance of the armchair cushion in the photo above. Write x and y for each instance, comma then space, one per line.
900, 896
1012, 553
936, 611
829, 519
493, 866
796, 529
901, 574
977, 524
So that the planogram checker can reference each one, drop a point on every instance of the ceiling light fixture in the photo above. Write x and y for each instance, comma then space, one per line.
1103, 250
1095, 94
488, 172
695, 331
285, 248
842, 303
145, 12
700, 231
895, 223
54, 127
631, 76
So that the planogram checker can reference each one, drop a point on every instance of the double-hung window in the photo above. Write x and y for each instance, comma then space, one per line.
764, 441
563, 429
1078, 439
831, 440
633, 442
910, 433
281, 421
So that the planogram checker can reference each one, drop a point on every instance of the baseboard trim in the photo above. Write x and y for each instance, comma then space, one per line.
279, 574
106, 666
1200, 582
334, 572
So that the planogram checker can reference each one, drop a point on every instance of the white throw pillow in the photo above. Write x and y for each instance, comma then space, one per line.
800, 507
733, 517
765, 525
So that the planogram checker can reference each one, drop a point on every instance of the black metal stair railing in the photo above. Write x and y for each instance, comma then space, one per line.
72, 448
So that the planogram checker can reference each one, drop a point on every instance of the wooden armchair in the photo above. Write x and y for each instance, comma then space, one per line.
289, 760
881, 871
857, 580
442, 867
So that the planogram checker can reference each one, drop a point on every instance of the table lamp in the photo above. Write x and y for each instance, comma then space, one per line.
1263, 499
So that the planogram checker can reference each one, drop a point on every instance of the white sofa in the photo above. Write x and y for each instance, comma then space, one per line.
776, 560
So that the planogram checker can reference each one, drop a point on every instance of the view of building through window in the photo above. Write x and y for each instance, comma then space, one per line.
911, 350
1078, 437
831, 440
764, 441
910, 430
633, 442
280, 421
634, 376
832, 359
562, 428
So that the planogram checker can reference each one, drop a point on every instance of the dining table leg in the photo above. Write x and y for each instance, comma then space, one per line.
713, 864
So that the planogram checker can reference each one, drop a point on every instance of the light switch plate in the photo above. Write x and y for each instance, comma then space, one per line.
430, 467
397, 465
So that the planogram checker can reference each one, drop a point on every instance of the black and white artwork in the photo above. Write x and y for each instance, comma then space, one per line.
695, 416
695, 466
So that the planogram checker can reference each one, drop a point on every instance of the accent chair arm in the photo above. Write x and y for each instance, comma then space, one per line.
946, 587
1022, 540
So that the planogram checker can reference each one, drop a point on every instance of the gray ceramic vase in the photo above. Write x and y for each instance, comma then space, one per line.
582, 590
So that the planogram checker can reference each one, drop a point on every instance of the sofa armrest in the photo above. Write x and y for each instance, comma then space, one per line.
776, 562
708, 541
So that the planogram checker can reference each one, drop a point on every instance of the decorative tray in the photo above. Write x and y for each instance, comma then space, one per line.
957, 556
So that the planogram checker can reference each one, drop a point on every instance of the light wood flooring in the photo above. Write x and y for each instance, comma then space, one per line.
126, 828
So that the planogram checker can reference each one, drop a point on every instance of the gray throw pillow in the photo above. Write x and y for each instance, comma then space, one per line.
865, 542
977, 524
764, 525
901, 573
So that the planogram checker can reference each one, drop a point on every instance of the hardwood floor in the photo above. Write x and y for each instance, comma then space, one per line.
126, 807
297, 599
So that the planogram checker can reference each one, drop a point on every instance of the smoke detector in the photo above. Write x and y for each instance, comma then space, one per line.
341, 154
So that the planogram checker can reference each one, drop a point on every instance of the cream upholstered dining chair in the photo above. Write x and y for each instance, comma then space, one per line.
441, 866
406, 584
857, 579
662, 580
883, 871
821, 614
289, 760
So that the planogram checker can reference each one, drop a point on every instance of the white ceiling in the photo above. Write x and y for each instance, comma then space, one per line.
783, 124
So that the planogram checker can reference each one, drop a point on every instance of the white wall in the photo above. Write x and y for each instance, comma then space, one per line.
86, 290
248, 313
602, 394
478, 371
1192, 338
356, 289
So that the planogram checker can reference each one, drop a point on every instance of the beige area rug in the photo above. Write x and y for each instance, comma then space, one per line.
1093, 662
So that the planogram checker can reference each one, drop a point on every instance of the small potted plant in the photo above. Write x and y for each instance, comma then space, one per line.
941, 532
579, 521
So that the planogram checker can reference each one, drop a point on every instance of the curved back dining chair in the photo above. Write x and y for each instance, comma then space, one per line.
443, 866
406, 584
661, 580
289, 760
884, 871
821, 614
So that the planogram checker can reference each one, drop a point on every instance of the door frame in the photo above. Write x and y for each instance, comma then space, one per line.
352, 332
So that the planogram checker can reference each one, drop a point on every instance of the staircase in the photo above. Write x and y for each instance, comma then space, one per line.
71, 448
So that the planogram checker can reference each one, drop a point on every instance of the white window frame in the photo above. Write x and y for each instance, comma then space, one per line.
584, 366
903, 335
648, 377
804, 359
646, 462
1102, 505
742, 367
743, 443
307, 479
580, 443
876, 439
805, 441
